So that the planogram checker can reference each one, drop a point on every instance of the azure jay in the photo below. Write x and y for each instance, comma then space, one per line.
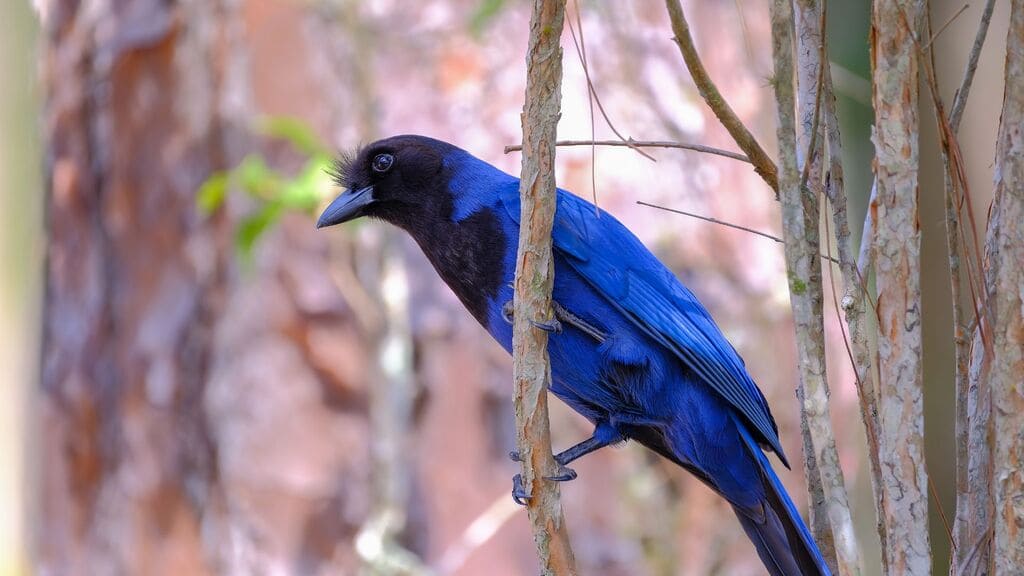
631, 348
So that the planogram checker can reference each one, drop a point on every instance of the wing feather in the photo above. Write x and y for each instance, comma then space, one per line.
617, 265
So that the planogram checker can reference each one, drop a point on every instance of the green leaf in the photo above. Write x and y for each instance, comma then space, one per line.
252, 227
305, 192
484, 14
258, 179
296, 132
213, 192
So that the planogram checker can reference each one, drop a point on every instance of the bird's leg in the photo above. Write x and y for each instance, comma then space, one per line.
553, 325
564, 457
573, 320
562, 316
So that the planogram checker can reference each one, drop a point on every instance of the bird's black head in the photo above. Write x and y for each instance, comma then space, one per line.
395, 179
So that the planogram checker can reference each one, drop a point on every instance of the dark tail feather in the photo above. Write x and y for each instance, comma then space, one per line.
783, 541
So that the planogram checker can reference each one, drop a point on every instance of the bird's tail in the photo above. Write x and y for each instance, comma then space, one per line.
783, 541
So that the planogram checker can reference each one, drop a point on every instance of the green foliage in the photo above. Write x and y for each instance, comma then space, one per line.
274, 193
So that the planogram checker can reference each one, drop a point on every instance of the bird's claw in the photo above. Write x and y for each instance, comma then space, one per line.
550, 326
514, 456
564, 475
519, 495
553, 325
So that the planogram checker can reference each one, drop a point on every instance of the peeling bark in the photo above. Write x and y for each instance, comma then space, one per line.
897, 244
533, 283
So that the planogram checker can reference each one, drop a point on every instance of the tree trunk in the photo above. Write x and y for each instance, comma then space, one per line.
897, 245
1004, 288
176, 389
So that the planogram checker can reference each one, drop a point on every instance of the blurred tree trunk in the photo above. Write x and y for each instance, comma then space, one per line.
132, 287
194, 419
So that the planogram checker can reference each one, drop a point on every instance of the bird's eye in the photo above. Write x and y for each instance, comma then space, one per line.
382, 162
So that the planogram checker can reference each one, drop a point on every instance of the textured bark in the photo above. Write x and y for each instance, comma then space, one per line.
897, 244
854, 298
1004, 283
533, 283
830, 516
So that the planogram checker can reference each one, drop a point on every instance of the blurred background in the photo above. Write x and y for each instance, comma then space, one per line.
195, 381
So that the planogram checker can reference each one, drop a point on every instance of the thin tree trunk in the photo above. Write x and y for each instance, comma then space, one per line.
830, 517
1004, 283
897, 244
533, 283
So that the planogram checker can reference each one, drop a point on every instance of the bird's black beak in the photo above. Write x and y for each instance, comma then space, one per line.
348, 206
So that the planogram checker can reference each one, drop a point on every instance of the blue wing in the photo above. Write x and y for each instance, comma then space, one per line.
620, 267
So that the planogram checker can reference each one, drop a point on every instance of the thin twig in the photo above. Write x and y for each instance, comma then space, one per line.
944, 26
581, 52
960, 98
763, 164
644, 144
727, 224
866, 255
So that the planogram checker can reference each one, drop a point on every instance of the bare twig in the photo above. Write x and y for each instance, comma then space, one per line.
533, 283
866, 255
643, 144
942, 28
763, 164
960, 98
727, 224
581, 51
897, 244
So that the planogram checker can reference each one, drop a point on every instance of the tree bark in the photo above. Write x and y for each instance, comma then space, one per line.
1004, 283
830, 516
897, 244
533, 283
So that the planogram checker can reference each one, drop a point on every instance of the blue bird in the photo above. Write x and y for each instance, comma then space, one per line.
631, 348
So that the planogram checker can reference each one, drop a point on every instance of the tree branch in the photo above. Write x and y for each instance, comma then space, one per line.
811, 70
630, 143
855, 296
897, 243
533, 284
830, 513
960, 99
763, 164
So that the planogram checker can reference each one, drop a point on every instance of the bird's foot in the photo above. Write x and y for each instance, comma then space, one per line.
553, 325
519, 495
550, 326
565, 474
